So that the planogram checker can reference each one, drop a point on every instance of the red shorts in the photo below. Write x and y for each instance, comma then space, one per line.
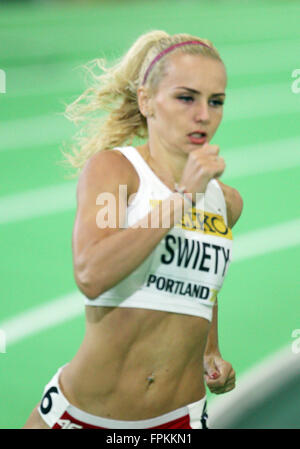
58, 413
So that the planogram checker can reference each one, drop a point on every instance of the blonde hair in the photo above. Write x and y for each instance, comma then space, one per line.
115, 92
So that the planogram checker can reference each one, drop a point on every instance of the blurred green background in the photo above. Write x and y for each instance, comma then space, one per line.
43, 45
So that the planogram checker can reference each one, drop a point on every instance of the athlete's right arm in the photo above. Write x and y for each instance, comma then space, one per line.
102, 257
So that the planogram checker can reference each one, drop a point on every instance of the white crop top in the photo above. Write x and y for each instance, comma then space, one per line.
186, 270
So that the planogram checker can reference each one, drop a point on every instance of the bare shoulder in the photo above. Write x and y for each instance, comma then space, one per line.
105, 168
234, 203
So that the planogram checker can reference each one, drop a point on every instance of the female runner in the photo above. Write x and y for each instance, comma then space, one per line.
152, 243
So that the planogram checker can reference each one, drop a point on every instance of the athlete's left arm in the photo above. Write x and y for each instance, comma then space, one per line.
219, 374
234, 203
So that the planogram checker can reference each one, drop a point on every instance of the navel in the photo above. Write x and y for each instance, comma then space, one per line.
150, 379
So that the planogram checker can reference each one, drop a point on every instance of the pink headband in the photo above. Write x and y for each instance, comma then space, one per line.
167, 50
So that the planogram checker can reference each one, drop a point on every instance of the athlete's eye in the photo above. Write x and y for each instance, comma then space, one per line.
185, 98
217, 103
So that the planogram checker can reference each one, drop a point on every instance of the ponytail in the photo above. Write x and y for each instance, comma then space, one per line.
114, 92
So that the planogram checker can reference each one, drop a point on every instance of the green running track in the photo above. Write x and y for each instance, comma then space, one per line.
42, 46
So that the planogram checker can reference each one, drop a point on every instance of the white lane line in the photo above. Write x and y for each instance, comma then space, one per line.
261, 101
43, 317
38, 202
70, 306
262, 241
50, 78
241, 103
259, 382
49, 129
249, 160
262, 158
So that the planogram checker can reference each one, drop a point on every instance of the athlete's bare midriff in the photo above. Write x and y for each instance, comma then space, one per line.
136, 364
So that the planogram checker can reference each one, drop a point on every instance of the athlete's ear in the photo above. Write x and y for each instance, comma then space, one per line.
143, 98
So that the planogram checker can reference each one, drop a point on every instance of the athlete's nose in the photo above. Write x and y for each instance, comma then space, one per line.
202, 112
